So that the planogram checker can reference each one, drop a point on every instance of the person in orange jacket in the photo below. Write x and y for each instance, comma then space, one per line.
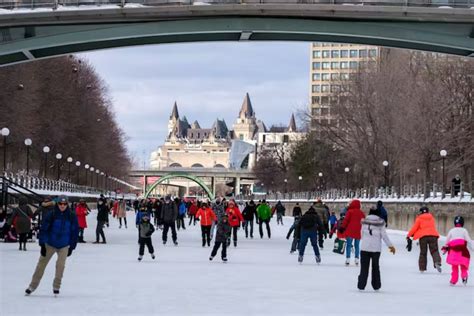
424, 229
235, 218
206, 216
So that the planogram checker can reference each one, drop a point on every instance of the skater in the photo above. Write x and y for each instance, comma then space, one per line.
308, 227
21, 220
181, 214
249, 213
264, 214
294, 243
340, 241
222, 235
297, 210
169, 214
322, 211
46, 206
136, 206
122, 213
193, 209
145, 230
280, 211
219, 210
457, 243
206, 217
332, 223
58, 234
102, 219
81, 212
234, 218
373, 231
351, 227
424, 229
383, 212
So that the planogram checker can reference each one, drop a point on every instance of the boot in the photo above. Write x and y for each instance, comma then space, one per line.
300, 258
318, 259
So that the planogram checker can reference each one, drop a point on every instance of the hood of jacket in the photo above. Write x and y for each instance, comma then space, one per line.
355, 204
373, 220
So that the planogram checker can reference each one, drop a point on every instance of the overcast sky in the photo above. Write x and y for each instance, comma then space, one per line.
207, 80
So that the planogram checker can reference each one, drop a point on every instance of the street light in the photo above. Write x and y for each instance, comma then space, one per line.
59, 157
5, 132
385, 165
320, 175
46, 151
346, 170
28, 143
286, 185
300, 178
97, 171
78, 164
443, 153
86, 167
69, 160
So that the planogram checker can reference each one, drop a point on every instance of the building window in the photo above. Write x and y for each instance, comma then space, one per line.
362, 53
317, 54
326, 54
316, 77
286, 139
335, 54
372, 53
316, 65
326, 44
315, 100
324, 111
316, 88
326, 65
353, 65
344, 53
335, 77
353, 53
199, 135
241, 136
316, 111
335, 88
344, 76
344, 65
325, 88
263, 138
325, 77
335, 65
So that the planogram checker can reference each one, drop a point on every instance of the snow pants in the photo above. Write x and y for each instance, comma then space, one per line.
248, 223
313, 237
192, 219
149, 245
216, 248
267, 223
455, 273
99, 231
234, 233
349, 247
432, 243
43, 262
180, 222
365, 257
206, 235
279, 218
166, 227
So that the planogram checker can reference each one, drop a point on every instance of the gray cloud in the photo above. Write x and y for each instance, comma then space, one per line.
207, 80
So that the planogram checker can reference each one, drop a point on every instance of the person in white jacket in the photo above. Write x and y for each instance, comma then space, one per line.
373, 231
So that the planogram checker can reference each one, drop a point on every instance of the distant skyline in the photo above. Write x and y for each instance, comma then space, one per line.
207, 80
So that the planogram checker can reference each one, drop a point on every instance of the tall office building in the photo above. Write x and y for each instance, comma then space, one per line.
333, 64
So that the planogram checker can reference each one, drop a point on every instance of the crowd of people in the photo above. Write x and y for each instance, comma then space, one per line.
60, 226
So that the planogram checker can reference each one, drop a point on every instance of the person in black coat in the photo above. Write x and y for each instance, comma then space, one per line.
102, 219
222, 235
308, 227
249, 213
297, 210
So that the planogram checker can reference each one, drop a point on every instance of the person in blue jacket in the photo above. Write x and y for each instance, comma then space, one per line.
383, 212
58, 234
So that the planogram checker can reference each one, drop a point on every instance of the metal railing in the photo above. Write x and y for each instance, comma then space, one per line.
57, 4
416, 192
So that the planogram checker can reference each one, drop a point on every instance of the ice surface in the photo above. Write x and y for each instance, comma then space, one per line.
261, 278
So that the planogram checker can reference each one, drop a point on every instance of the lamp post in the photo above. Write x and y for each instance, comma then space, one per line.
91, 169
443, 153
46, 151
78, 164
299, 180
69, 160
5, 132
86, 167
59, 157
102, 184
28, 143
320, 175
97, 171
385, 166
286, 185
346, 170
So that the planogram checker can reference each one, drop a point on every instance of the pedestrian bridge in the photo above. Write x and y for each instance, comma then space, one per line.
34, 29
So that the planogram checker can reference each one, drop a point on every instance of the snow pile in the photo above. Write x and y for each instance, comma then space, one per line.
261, 278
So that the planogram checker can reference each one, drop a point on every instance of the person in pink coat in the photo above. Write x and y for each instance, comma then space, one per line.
457, 243
81, 212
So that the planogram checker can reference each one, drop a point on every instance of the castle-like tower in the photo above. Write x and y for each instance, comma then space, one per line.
245, 127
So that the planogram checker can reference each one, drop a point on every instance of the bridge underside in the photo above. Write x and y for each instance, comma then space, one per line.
24, 43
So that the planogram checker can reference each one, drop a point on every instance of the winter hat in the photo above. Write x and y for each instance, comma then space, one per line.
424, 210
459, 221
63, 199
379, 204
168, 198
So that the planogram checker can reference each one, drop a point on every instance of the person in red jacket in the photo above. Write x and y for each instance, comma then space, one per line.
206, 216
81, 212
235, 218
193, 209
351, 227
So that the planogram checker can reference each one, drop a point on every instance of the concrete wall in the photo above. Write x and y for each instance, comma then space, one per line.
401, 216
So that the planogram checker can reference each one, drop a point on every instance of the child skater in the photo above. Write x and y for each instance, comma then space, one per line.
222, 234
457, 242
145, 230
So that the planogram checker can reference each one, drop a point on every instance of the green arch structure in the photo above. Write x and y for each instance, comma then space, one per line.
181, 175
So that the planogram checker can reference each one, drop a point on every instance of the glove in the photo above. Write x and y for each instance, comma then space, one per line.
69, 251
392, 249
43, 250
409, 244
445, 249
